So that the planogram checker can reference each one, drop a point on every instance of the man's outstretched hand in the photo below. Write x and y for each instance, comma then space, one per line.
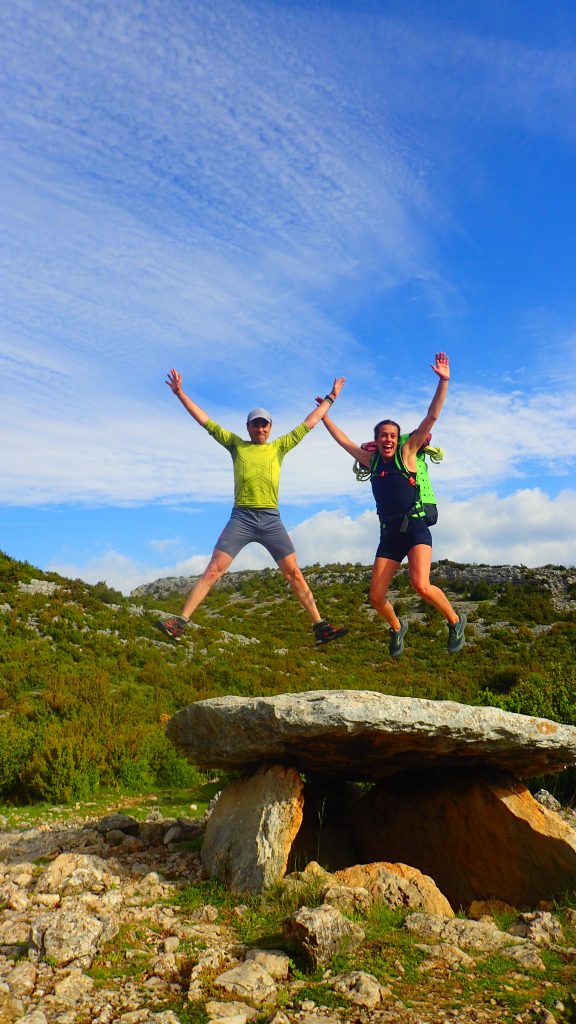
174, 381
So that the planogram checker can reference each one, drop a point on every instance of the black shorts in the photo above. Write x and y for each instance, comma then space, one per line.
396, 545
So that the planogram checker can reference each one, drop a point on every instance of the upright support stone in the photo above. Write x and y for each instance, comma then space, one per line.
251, 829
479, 833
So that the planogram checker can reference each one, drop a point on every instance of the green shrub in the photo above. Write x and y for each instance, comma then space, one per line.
62, 767
16, 745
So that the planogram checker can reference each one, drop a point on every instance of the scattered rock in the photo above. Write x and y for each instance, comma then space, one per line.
347, 898
230, 1011
321, 933
274, 961
249, 981
474, 935
361, 988
539, 927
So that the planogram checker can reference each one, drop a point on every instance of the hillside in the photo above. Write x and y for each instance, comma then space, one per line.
86, 681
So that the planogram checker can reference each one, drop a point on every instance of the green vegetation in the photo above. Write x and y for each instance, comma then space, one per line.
87, 682
391, 954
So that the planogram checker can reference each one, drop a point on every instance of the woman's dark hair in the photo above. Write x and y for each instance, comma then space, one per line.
383, 423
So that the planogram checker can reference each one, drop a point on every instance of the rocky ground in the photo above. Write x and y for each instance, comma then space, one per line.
108, 920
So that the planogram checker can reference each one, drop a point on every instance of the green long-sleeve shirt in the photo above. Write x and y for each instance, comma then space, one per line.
256, 466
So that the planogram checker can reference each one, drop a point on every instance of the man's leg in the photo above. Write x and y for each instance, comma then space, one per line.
419, 562
217, 566
293, 575
382, 575
324, 631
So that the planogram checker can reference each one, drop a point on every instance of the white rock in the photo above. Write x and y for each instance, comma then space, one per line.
274, 961
249, 981
361, 988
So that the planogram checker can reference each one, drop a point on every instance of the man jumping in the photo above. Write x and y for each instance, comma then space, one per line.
255, 516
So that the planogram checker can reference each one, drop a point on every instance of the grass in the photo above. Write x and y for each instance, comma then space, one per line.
179, 803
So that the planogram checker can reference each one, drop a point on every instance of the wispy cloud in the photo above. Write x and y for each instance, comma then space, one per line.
157, 453
525, 528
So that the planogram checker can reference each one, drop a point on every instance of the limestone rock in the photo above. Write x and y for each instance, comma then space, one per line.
73, 873
398, 886
474, 935
361, 988
249, 981
35, 1017
479, 834
22, 978
539, 927
230, 1011
445, 955
354, 899
366, 735
275, 961
321, 933
66, 936
210, 960
73, 987
11, 1009
251, 829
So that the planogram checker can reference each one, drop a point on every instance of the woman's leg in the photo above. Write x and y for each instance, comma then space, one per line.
382, 574
419, 562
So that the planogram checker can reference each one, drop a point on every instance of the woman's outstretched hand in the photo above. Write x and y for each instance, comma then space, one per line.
441, 366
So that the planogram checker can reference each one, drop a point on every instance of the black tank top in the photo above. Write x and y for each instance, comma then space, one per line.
393, 492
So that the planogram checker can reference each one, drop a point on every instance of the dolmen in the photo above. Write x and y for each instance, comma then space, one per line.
354, 777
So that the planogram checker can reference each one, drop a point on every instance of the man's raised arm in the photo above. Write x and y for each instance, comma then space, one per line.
325, 404
174, 382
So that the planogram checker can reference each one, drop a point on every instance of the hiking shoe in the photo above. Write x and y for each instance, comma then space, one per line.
396, 645
456, 634
173, 627
325, 631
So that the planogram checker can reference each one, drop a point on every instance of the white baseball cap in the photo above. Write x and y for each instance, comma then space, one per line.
259, 414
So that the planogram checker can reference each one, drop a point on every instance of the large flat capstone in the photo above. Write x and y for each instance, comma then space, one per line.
360, 734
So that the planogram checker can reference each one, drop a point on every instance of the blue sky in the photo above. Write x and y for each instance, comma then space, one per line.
266, 195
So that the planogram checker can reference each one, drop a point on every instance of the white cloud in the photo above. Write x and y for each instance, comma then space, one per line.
525, 528
166, 544
134, 454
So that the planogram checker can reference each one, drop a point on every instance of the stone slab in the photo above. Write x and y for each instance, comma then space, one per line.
361, 734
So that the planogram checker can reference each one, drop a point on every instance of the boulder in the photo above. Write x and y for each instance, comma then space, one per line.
321, 933
361, 988
359, 734
479, 834
350, 899
70, 936
275, 961
251, 829
249, 981
398, 886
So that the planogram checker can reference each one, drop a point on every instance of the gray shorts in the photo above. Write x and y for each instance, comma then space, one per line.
255, 525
